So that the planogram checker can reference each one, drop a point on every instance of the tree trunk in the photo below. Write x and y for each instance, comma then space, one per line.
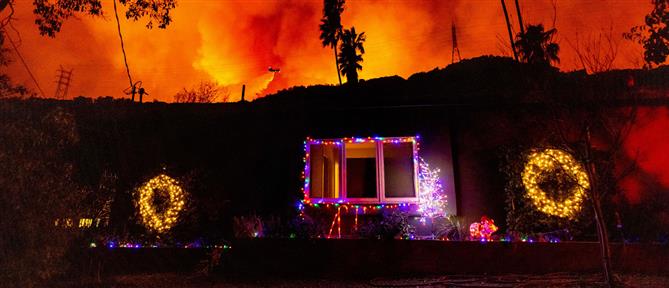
337, 63
603, 241
352, 77
602, 234
508, 27
520, 18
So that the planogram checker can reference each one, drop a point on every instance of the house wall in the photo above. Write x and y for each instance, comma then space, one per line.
430, 123
242, 159
239, 159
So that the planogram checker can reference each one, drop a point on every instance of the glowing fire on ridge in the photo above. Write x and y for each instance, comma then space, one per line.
233, 42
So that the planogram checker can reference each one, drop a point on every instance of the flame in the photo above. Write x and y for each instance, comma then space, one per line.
647, 144
233, 42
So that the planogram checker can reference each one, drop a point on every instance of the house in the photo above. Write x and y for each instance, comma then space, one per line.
249, 158
358, 177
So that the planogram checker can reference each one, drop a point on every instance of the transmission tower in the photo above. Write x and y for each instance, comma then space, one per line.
455, 44
63, 83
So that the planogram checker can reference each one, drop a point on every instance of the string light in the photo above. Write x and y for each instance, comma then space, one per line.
431, 193
365, 207
85, 222
431, 197
148, 212
355, 227
334, 221
340, 142
339, 222
482, 230
547, 161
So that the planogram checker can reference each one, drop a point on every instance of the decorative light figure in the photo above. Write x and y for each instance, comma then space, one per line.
546, 161
431, 193
144, 202
482, 230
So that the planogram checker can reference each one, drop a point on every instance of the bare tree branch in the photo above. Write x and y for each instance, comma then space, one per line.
596, 53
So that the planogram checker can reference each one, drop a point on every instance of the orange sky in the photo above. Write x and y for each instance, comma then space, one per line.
233, 42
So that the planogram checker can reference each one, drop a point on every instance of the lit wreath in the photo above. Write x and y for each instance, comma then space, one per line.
546, 161
150, 218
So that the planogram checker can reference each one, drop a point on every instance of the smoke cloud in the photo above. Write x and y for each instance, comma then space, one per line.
233, 42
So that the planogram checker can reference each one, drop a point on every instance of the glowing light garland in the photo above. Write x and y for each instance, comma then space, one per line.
148, 214
546, 161
432, 200
83, 223
340, 142
431, 193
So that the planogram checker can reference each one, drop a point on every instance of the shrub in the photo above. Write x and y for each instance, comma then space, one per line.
37, 188
391, 225
250, 226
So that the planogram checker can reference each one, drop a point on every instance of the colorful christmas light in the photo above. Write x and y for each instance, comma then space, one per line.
431, 197
546, 161
144, 202
431, 193
482, 230
340, 142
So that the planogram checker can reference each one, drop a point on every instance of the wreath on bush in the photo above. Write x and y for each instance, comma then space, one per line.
156, 216
554, 202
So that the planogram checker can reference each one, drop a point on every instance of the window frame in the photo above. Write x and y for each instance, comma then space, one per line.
307, 172
416, 184
380, 170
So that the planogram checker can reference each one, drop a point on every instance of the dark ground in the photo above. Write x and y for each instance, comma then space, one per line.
483, 281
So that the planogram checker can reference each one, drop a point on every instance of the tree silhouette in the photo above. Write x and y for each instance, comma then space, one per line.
38, 186
536, 46
331, 28
597, 53
654, 36
51, 14
349, 59
206, 92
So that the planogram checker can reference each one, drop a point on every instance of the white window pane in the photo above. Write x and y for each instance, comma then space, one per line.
324, 171
361, 170
398, 169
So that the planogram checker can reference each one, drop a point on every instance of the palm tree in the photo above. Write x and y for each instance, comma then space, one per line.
349, 58
331, 26
536, 46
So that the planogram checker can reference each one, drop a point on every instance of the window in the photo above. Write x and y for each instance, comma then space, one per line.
325, 170
399, 170
361, 170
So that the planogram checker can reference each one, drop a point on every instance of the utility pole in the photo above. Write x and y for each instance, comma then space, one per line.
141, 91
63, 83
455, 44
243, 91
520, 19
508, 27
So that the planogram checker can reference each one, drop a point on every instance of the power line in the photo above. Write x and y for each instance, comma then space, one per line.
125, 59
23, 61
